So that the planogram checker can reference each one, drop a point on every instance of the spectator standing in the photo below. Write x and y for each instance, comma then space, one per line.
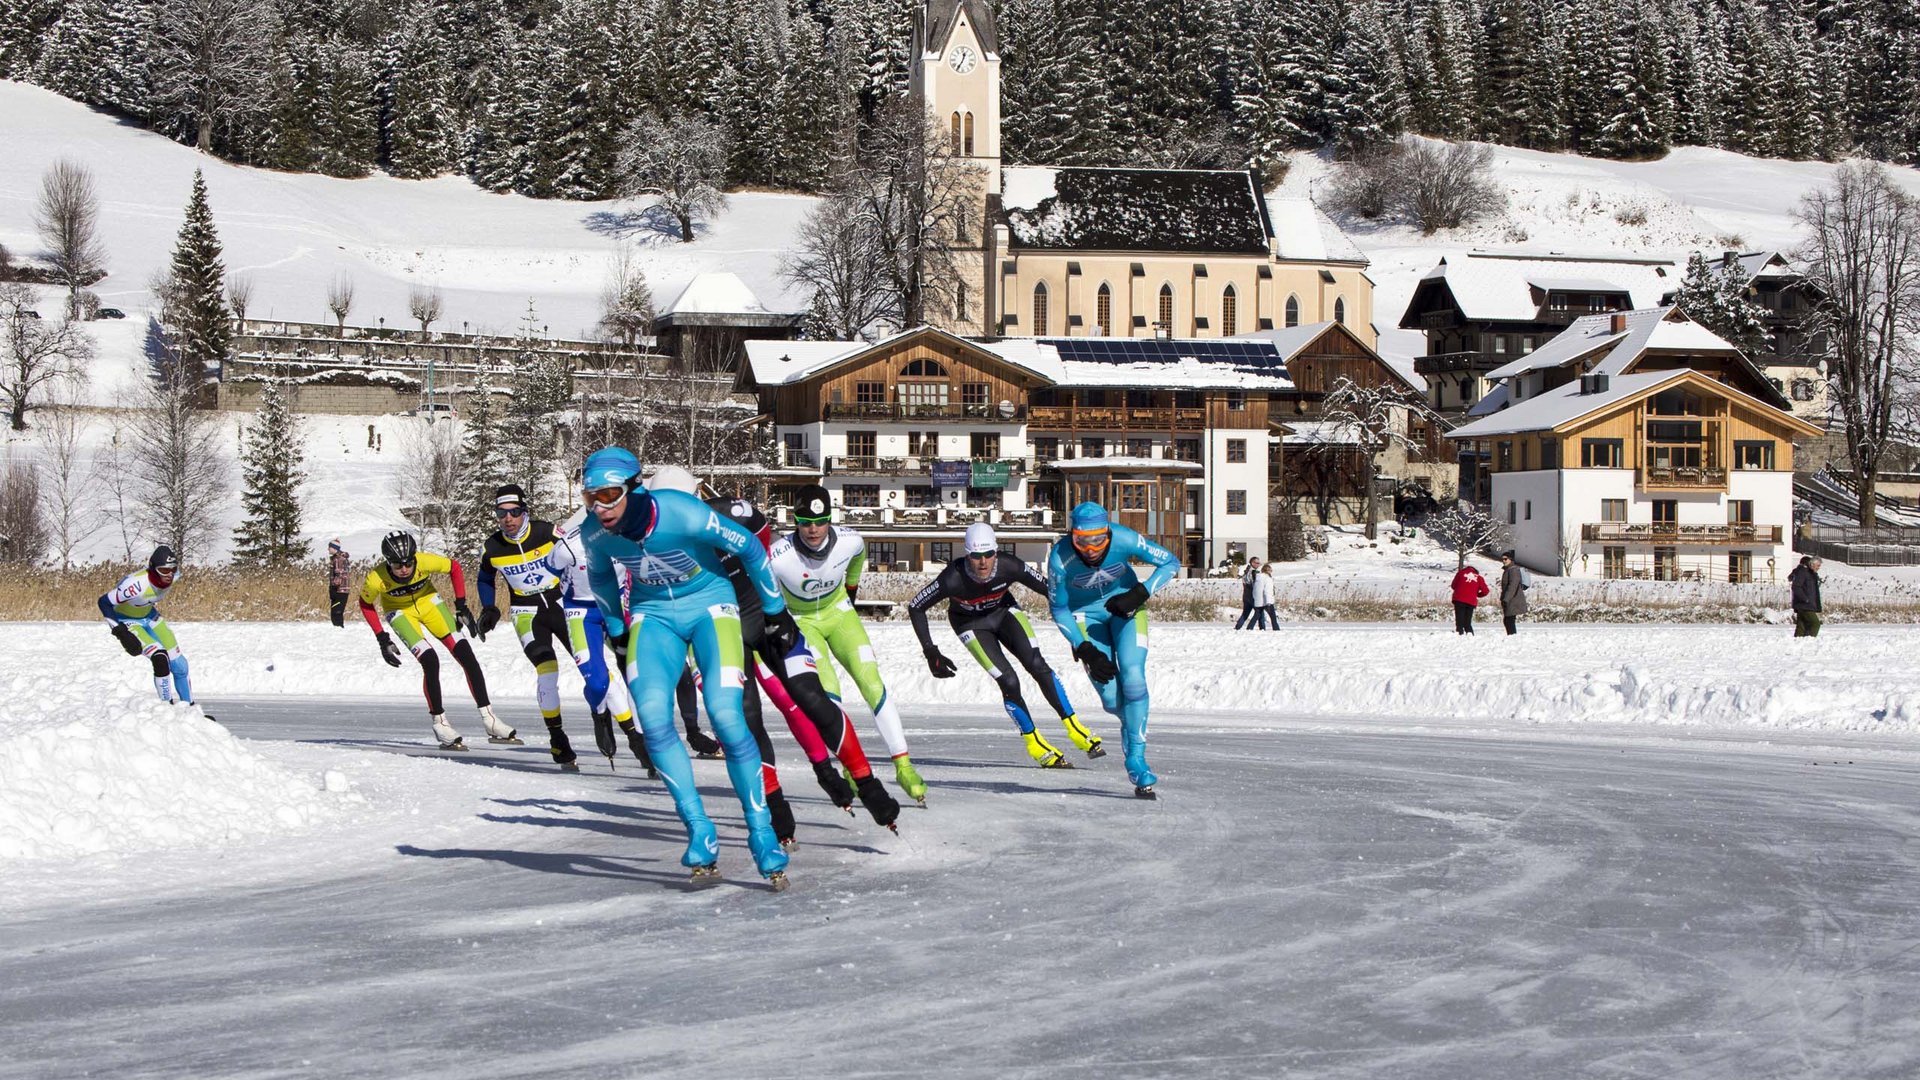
1513, 591
1468, 588
1247, 578
1264, 596
339, 582
1805, 583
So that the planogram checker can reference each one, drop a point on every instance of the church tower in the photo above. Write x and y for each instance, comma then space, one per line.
956, 82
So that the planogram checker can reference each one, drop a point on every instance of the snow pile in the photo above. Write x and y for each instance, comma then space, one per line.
97, 765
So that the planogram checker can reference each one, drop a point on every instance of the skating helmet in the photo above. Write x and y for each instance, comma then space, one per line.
811, 506
610, 467
980, 539
1092, 532
162, 561
673, 478
398, 549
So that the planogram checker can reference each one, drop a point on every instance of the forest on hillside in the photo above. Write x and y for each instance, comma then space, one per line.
538, 96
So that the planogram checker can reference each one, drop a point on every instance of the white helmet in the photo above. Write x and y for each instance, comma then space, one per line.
673, 478
980, 539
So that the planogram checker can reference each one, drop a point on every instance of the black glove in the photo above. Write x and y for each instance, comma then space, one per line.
463, 617
1099, 668
1124, 605
388, 650
619, 643
337, 613
489, 618
127, 640
853, 592
938, 663
781, 636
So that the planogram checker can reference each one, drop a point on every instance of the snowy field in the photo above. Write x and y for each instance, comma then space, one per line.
1380, 852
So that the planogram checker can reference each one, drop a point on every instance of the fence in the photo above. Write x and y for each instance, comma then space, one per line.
1883, 545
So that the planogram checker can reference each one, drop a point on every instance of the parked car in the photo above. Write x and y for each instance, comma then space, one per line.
433, 409
109, 313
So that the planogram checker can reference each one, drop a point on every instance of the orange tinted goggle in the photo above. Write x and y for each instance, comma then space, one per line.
1092, 538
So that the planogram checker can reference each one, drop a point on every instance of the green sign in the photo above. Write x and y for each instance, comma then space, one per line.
992, 474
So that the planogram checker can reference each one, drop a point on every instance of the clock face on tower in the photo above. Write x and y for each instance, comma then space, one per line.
961, 59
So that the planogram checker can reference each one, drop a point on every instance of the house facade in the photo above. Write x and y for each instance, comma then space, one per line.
1098, 252
1638, 444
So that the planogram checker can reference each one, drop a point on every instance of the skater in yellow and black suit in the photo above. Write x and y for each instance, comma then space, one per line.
517, 552
399, 593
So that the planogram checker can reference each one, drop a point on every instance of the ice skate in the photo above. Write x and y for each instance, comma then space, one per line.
705, 874
498, 731
603, 736
837, 787
777, 881
1145, 791
1044, 754
769, 857
703, 745
782, 814
1082, 738
909, 780
443, 731
562, 748
881, 804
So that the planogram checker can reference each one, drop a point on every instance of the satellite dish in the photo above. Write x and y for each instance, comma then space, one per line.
1007, 409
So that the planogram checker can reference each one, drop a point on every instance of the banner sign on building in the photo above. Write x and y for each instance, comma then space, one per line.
952, 473
992, 474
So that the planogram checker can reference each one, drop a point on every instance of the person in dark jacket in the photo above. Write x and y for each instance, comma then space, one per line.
1805, 583
339, 582
1468, 588
1247, 579
1513, 591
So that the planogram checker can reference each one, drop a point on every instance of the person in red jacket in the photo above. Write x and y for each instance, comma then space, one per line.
1468, 588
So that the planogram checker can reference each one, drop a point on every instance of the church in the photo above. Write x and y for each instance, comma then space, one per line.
1115, 252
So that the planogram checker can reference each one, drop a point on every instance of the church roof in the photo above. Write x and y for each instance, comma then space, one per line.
1180, 211
942, 14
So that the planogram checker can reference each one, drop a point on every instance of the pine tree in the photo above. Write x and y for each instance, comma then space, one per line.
198, 322
1636, 92
270, 475
483, 467
1715, 296
542, 386
419, 125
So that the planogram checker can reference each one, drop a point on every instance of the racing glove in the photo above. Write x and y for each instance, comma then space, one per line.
1099, 668
126, 638
1124, 605
489, 618
463, 617
389, 651
938, 663
782, 634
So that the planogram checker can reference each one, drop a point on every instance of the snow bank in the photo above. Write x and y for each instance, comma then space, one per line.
96, 765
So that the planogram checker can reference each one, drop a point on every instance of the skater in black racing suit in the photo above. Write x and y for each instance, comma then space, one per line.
978, 589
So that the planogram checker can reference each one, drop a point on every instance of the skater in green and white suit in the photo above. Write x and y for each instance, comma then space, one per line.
818, 566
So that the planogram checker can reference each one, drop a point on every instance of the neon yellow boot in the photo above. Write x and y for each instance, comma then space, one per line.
1082, 738
910, 781
1043, 752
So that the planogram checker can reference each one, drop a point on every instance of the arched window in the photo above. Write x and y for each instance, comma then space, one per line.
968, 122
960, 300
1040, 310
956, 131
1340, 309
1229, 312
924, 368
1103, 310
1293, 311
1166, 309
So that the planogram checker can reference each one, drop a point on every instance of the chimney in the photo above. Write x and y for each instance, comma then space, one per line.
1618, 322
1728, 258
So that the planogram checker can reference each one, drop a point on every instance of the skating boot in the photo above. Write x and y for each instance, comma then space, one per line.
768, 855
498, 731
910, 781
703, 745
637, 742
1082, 738
443, 731
835, 785
1145, 791
703, 849
562, 748
1044, 754
603, 736
878, 801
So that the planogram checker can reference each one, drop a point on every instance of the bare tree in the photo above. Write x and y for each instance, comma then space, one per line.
626, 301
340, 302
239, 297
426, 306
112, 472
68, 217
23, 533
1862, 258
913, 203
836, 259
180, 469
428, 481
63, 481
1377, 419
1433, 185
6, 264
208, 60
35, 353
1466, 528
680, 162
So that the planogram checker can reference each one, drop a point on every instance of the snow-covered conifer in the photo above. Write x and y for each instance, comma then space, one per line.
272, 461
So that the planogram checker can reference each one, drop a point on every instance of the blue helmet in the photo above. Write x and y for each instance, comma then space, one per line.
609, 467
1090, 517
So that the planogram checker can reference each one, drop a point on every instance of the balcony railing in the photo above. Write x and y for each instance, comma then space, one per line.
907, 518
1683, 476
1116, 418
869, 465
791, 458
1640, 532
1437, 320
883, 411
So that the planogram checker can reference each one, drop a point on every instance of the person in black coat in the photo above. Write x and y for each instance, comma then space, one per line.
1805, 583
1247, 579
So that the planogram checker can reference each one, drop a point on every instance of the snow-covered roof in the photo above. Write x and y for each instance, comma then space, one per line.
1648, 328
716, 292
1186, 211
1564, 403
1187, 373
1502, 288
1287, 340
779, 363
1301, 232
1321, 433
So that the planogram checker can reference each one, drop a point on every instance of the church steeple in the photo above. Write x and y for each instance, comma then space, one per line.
956, 79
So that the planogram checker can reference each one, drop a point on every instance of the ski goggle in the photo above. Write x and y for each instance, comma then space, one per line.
401, 569
509, 511
605, 496
981, 556
1092, 539
798, 520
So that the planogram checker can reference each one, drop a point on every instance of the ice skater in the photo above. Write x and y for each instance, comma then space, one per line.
132, 611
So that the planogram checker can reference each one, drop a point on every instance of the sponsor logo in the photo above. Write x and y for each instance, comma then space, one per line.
670, 568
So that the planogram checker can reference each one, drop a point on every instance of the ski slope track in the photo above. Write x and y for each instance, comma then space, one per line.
308, 889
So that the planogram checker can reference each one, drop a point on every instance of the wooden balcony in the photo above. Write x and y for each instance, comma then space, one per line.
1447, 363
1683, 476
881, 412
1661, 533
1115, 418
866, 465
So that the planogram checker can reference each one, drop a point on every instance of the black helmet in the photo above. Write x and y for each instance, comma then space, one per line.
812, 505
397, 548
162, 559
509, 494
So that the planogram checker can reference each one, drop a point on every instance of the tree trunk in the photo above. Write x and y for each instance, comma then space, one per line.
686, 228
1869, 513
203, 139
1373, 501
17, 415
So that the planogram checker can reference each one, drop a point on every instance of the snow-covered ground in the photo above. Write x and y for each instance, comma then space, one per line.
1379, 852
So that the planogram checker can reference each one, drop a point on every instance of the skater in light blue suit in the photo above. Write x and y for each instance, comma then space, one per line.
671, 544
1099, 603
